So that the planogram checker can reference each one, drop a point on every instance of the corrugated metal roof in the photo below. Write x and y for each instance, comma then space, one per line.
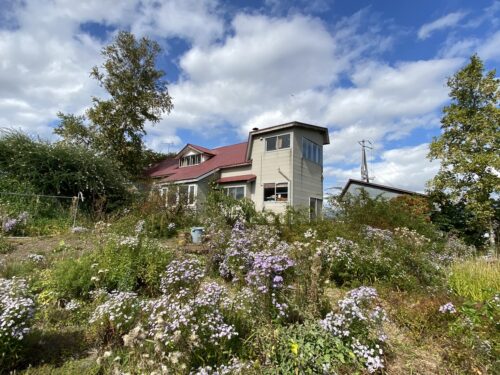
222, 157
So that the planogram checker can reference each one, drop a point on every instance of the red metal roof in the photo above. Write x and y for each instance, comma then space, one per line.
244, 177
222, 157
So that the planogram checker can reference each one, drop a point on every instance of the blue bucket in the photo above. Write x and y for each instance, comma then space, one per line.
197, 234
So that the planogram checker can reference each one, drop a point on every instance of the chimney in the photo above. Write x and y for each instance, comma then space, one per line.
255, 129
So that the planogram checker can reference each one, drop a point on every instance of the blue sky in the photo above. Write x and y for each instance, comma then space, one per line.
365, 69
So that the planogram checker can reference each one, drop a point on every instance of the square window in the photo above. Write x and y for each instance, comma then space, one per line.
271, 144
236, 192
269, 192
276, 192
284, 141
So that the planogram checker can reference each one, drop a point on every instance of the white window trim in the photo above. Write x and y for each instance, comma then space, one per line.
237, 186
278, 149
164, 192
275, 201
195, 194
191, 165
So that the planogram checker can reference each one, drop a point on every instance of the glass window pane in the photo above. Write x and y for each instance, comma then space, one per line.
282, 192
269, 192
284, 141
271, 144
191, 195
239, 192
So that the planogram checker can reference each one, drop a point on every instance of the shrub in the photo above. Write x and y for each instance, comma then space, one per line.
219, 205
160, 221
62, 169
5, 246
257, 259
115, 317
309, 349
359, 325
361, 210
475, 279
403, 258
130, 264
120, 263
16, 311
473, 328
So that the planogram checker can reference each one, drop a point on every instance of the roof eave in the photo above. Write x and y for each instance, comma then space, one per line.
382, 187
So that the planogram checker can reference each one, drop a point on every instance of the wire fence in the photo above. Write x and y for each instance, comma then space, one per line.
37, 213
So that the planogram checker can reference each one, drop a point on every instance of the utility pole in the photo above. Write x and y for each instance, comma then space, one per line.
364, 164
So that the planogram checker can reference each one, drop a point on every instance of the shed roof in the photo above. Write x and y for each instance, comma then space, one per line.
242, 178
377, 186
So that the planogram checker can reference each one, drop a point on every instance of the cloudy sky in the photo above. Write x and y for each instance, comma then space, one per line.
365, 69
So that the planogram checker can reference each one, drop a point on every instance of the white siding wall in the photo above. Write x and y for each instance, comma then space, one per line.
271, 167
304, 177
307, 175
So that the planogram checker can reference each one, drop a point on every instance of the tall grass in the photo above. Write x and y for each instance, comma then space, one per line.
476, 279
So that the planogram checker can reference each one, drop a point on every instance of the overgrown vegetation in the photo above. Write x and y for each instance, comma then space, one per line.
33, 167
263, 294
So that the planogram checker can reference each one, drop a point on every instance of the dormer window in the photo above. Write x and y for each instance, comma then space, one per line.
190, 160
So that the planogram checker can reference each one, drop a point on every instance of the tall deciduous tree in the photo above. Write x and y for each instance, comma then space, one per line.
138, 94
469, 146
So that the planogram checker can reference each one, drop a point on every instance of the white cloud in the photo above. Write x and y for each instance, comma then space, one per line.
195, 20
47, 57
444, 22
490, 49
261, 52
406, 168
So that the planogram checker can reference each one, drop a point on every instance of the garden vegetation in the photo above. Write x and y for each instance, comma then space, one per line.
381, 292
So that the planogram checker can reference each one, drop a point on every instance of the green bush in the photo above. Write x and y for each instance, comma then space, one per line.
16, 313
5, 246
219, 205
71, 278
61, 170
159, 221
408, 212
120, 263
309, 349
473, 327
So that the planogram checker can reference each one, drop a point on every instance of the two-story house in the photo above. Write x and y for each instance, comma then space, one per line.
278, 166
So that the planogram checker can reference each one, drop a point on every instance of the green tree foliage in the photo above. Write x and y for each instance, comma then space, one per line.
138, 95
61, 169
469, 144
73, 131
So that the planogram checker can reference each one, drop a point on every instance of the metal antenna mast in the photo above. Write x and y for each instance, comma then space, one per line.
364, 163
168, 146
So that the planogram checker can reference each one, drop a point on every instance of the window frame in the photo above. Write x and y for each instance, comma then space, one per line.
312, 151
317, 213
276, 143
226, 191
177, 188
275, 194
187, 157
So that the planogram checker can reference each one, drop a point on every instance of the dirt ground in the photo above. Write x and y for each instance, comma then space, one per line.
78, 242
